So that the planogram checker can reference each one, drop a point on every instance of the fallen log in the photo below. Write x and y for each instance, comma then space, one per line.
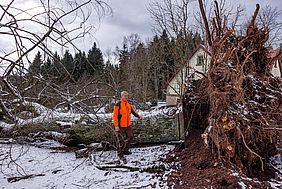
116, 167
16, 179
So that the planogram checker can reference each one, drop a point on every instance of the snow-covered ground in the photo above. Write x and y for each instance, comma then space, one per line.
62, 170
276, 162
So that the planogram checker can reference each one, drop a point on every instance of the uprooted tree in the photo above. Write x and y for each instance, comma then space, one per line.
240, 101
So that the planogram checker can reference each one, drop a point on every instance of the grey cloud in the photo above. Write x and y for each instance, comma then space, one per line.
132, 16
128, 17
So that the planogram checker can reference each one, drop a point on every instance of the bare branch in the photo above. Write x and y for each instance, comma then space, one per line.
208, 34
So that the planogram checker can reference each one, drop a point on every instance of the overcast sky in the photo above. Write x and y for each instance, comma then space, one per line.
132, 16
129, 16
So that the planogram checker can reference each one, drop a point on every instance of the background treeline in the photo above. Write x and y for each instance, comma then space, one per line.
143, 69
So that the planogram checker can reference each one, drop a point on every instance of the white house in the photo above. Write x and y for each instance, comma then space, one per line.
277, 66
195, 68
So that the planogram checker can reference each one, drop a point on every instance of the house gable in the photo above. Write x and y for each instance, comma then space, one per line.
276, 55
195, 69
196, 64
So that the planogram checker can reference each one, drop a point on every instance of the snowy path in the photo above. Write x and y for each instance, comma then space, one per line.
63, 170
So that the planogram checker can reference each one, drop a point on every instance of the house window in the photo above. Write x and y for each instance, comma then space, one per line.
200, 60
178, 100
177, 88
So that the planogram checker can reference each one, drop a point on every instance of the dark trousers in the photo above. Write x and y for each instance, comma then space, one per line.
124, 138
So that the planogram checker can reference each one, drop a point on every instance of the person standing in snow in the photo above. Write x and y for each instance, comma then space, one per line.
123, 126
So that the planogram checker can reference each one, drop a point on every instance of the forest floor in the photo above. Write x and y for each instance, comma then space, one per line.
47, 165
201, 168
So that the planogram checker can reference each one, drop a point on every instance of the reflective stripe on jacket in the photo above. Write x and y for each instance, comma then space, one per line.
122, 114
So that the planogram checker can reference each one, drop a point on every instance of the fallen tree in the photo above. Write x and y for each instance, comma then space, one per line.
240, 103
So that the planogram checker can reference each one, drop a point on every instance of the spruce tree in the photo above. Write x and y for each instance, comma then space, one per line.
95, 63
56, 68
67, 67
123, 66
34, 68
46, 68
80, 62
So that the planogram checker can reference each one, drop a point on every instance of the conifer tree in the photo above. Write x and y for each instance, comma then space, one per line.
34, 68
80, 61
123, 66
46, 69
95, 63
67, 67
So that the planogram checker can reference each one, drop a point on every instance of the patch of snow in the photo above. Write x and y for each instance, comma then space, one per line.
276, 161
47, 144
55, 134
209, 128
234, 174
242, 184
48, 115
271, 96
6, 126
250, 76
95, 145
63, 170
38, 107
276, 185
62, 123
101, 110
161, 111
257, 97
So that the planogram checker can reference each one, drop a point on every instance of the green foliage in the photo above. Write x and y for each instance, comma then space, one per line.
84, 134
94, 63
124, 67
144, 70
80, 61
69, 67
46, 68
34, 68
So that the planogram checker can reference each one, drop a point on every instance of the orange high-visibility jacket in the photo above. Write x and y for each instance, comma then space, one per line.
122, 114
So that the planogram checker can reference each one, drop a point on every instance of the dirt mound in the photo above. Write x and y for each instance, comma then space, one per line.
202, 168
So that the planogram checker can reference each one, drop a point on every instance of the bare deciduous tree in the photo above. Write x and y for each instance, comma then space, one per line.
224, 9
271, 18
42, 26
171, 15
175, 17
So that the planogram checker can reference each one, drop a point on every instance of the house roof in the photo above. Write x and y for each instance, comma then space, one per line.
273, 53
201, 46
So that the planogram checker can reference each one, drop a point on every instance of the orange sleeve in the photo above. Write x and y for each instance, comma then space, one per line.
115, 116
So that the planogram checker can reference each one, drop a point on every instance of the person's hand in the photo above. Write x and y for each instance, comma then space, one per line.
117, 129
